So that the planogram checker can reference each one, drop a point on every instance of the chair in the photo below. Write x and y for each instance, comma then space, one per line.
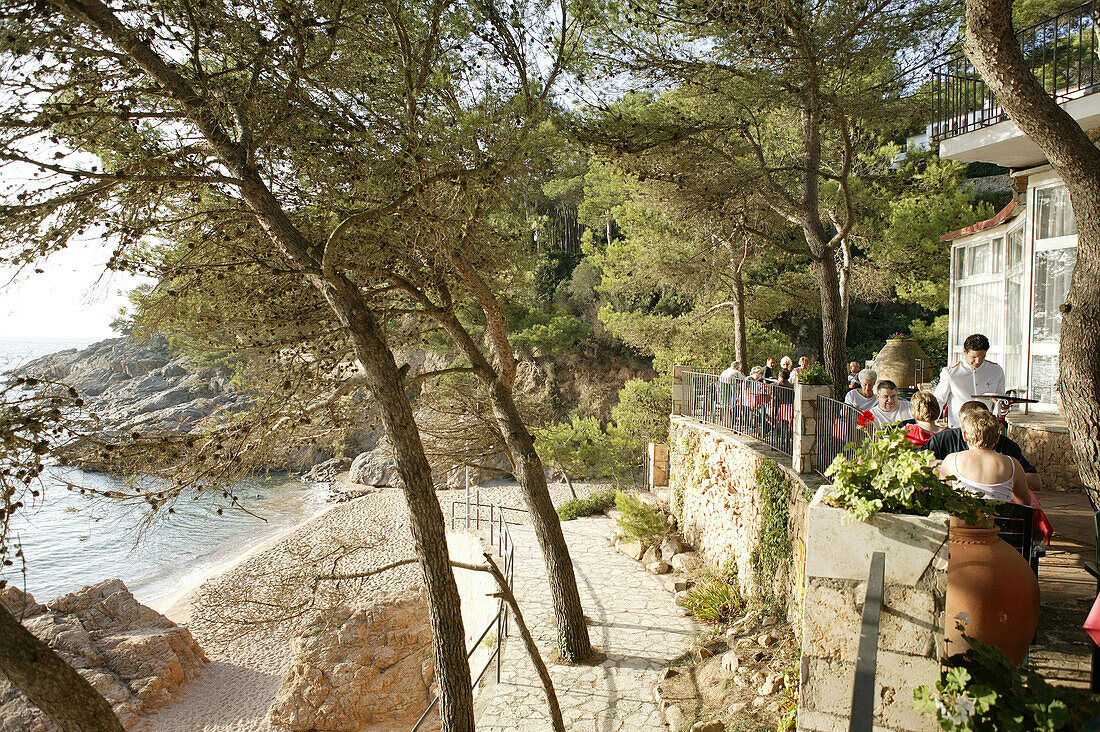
1017, 525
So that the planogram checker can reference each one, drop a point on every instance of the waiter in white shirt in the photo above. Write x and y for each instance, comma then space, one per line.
972, 375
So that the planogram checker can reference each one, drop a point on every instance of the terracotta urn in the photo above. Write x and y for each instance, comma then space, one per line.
897, 361
993, 585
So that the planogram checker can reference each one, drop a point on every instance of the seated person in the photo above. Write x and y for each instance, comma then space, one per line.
950, 440
925, 408
784, 379
981, 470
864, 397
732, 373
889, 408
754, 382
853, 375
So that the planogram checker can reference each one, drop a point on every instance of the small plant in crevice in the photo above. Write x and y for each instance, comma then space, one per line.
639, 520
596, 503
713, 600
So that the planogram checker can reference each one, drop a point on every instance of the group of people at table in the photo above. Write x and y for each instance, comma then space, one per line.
971, 449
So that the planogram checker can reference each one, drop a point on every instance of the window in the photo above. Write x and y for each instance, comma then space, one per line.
1053, 269
1053, 213
979, 258
1015, 247
960, 262
1044, 373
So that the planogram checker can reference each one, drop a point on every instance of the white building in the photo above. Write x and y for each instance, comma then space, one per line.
1010, 274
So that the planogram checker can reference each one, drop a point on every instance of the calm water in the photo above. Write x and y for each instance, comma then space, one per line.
71, 541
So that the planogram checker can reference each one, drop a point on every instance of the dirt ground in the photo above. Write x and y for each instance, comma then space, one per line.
745, 675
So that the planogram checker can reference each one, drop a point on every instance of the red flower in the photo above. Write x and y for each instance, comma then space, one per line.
864, 419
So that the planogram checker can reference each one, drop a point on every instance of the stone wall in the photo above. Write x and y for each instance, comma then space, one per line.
712, 473
911, 639
1048, 448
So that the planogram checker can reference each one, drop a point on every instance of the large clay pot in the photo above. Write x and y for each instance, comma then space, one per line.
897, 361
993, 584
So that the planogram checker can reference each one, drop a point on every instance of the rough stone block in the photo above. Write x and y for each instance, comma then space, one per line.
840, 547
908, 622
829, 617
897, 676
632, 548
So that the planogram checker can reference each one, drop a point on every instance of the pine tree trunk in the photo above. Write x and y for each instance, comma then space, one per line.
387, 387
992, 46
50, 683
740, 340
834, 323
573, 640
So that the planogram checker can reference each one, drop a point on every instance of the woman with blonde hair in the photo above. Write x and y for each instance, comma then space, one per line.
981, 470
924, 408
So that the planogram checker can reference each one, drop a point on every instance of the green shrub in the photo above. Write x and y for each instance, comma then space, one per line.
814, 374
639, 520
982, 690
713, 600
596, 503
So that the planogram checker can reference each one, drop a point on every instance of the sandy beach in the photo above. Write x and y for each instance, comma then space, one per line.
247, 612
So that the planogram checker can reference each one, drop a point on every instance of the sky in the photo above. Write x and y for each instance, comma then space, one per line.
74, 298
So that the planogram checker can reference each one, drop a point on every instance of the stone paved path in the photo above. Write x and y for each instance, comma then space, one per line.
635, 622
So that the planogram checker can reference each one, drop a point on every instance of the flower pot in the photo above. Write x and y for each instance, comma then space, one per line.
993, 585
897, 361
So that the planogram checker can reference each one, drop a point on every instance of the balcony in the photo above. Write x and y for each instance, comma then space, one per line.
969, 123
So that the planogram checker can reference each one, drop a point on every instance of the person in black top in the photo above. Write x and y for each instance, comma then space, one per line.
951, 440
770, 371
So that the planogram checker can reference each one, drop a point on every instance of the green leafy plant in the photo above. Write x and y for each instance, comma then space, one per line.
814, 375
773, 544
888, 473
713, 600
639, 520
983, 690
598, 502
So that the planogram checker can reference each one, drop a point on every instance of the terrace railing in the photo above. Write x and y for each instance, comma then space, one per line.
755, 408
838, 431
1061, 52
478, 511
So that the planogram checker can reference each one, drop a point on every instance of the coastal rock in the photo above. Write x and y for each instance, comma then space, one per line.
151, 388
134, 656
376, 467
327, 471
363, 667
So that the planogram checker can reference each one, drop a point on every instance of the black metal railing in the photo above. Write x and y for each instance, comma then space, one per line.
863, 686
759, 409
501, 539
838, 432
1061, 52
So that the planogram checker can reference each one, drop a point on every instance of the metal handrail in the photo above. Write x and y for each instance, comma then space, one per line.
1062, 55
758, 409
863, 687
838, 432
501, 538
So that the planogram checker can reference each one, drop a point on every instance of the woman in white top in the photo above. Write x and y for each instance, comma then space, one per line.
982, 471
864, 397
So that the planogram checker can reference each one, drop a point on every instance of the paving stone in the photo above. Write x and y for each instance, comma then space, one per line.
635, 623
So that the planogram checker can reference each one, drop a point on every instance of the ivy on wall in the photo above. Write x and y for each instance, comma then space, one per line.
773, 545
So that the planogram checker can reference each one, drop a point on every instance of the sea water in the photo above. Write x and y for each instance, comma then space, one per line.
71, 540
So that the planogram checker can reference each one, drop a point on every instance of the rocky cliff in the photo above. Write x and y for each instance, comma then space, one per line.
134, 656
142, 387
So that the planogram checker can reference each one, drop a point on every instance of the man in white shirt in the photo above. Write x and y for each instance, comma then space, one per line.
732, 373
972, 375
890, 408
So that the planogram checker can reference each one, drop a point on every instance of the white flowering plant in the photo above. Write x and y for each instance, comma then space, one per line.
982, 690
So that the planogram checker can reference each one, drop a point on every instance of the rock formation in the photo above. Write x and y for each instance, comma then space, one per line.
366, 668
134, 656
